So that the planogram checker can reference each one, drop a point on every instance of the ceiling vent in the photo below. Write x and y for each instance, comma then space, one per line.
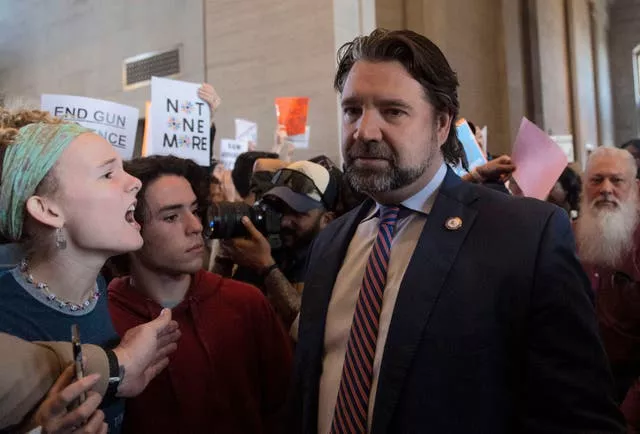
138, 70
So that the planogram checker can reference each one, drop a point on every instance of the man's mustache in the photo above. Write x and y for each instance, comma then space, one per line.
371, 149
600, 201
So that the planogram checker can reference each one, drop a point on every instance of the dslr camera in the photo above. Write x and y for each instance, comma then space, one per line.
224, 221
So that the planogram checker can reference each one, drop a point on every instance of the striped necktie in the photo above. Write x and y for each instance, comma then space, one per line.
352, 405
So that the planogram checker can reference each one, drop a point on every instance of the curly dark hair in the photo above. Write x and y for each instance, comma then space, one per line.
572, 185
148, 169
243, 169
426, 64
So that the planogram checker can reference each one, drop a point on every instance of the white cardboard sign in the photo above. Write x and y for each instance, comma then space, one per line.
246, 131
300, 141
229, 151
115, 122
179, 121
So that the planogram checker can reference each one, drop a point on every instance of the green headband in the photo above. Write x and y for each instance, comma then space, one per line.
27, 161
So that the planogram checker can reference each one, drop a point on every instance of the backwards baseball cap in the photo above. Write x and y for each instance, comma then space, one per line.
304, 186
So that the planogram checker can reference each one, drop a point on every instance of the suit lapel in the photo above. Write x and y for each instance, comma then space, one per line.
315, 303
430, 263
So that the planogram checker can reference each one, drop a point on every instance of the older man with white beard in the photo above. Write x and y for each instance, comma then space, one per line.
608, 238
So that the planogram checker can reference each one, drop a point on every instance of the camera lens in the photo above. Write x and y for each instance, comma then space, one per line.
225, 219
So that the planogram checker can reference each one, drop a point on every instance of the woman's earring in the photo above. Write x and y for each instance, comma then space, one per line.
61, 241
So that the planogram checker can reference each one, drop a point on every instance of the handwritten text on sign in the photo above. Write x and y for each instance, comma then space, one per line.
229, 151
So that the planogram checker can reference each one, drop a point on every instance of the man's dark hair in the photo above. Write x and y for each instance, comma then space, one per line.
148, 169
426, 64
243, 169
572, 185
633, 143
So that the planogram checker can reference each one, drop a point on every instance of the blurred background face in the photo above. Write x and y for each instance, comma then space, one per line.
171, 229
609, 212
96, 197
635, 152
298, 229
215, 191
609, 183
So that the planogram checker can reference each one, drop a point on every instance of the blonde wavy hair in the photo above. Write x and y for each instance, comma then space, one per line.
12, 121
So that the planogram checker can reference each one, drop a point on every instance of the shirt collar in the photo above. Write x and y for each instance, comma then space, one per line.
422, 201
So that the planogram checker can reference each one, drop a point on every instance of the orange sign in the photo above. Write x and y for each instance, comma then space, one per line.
292, 114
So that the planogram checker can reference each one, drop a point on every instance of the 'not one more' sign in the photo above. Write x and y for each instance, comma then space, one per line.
179, 121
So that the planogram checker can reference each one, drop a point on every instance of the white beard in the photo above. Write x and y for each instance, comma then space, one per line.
606, 236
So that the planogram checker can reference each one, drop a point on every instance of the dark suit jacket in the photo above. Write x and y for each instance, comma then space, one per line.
493, 330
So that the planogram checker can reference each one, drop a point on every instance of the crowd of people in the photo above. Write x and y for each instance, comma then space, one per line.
388, 295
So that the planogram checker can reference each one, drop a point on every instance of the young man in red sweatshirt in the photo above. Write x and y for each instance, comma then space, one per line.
231, 371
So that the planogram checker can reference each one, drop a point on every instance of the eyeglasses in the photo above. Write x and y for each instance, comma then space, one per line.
297, 182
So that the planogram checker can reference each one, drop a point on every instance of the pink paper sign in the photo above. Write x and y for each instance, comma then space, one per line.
538, 159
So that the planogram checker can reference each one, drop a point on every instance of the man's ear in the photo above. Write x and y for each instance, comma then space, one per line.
45, 211
443, 126
327, 218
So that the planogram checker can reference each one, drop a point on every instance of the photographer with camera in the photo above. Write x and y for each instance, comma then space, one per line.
305, 195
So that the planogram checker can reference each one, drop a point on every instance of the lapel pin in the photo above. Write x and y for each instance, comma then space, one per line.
453, 223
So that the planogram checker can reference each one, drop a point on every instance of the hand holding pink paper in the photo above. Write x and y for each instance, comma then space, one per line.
538, 159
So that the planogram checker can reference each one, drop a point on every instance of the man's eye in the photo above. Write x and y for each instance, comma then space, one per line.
352, 112
394, 113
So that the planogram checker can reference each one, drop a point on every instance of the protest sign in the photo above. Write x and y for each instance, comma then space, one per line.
292, 114
483, 133
566, 144
229, 151
300, 141
115, 122
538, 159
179, 121
147, 127
475, 156
246, 131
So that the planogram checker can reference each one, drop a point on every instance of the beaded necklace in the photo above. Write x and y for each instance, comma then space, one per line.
61, 303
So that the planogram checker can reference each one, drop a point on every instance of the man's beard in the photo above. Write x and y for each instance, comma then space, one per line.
606, 236
375, 180
304, 239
